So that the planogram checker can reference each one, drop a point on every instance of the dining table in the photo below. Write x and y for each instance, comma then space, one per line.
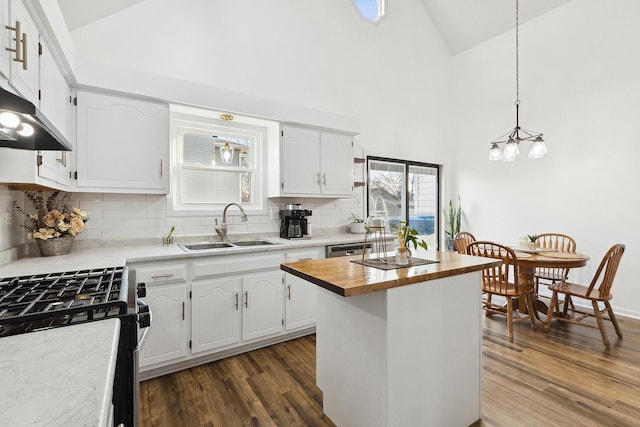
530, 259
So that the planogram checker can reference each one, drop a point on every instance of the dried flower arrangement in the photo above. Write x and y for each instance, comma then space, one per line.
54, 218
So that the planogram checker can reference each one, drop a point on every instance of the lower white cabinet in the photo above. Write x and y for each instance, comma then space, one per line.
300, 295
262, 304
167, 336
213, 304
215, 313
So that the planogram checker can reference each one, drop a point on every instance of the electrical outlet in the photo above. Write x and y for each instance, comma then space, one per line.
275, 213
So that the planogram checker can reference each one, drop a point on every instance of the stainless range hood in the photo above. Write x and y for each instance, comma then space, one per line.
22, 126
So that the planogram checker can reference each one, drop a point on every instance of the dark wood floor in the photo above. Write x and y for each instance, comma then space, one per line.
563, 378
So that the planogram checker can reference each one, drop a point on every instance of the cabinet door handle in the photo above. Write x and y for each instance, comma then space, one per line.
17, 49
236, 300
162, 276
305, 259
63, 158
324, 179
24, 51
289, 292
182, 310
161, 168
246, 299
318, 178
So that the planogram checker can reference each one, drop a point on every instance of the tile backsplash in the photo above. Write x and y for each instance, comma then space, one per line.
138, 216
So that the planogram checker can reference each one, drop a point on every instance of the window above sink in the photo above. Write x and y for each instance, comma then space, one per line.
204, 175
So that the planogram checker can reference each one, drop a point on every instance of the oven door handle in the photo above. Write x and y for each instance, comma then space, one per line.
145, 310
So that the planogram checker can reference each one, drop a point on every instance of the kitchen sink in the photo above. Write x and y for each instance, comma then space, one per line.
253, 243
205, 246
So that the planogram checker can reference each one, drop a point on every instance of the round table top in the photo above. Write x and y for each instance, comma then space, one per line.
550, 259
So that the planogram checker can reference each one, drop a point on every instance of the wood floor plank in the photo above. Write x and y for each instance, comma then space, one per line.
563, 378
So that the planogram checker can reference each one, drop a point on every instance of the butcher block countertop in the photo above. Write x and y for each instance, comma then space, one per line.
346, 278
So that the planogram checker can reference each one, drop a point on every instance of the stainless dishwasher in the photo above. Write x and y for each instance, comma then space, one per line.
346, 249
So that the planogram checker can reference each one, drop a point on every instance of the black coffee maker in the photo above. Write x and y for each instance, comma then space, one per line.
294, 223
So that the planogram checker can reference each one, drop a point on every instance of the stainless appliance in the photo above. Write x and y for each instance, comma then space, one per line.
23, 126
346, 249
294, 224
51, 300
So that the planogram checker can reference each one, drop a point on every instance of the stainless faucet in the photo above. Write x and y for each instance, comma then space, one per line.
222, 231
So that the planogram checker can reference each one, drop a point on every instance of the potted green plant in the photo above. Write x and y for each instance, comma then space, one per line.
357, 224
533, 241
452, 221
407, 236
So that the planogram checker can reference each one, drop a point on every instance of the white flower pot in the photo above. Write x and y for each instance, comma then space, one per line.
357, 228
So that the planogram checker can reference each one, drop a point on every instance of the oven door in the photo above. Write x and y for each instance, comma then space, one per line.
145, 319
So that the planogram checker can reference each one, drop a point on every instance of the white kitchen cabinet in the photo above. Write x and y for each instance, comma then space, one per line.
215, 313
167, 336
262, 304
315, 163
300, 295
167, 297
55, 102
122, 144
55, 105
24, 75
6, 40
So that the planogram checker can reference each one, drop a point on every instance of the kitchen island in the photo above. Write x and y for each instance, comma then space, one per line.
398, 347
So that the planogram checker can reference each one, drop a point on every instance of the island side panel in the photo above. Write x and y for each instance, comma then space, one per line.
434, 352
351, 357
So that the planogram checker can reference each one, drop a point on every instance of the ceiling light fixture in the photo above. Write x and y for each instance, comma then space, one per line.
226, 151
512, 139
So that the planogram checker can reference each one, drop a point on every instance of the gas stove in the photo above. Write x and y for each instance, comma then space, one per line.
29, 303
51, 300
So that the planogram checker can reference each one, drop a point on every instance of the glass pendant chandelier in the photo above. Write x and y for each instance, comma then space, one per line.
512, 139
226, 151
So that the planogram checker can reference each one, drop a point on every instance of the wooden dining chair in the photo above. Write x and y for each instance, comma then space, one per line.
598, 291
462, 240
559, 242
496, 281
547, 276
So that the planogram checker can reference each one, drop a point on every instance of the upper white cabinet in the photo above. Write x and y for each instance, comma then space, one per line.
6, 39
122, 144
24, 61
55, 102
315, 163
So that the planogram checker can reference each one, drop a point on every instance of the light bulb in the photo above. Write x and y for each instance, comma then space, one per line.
25, 130
511, 151
9, 120
538, 149
495, 153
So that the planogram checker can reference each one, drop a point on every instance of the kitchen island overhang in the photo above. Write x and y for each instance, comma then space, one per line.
398, 347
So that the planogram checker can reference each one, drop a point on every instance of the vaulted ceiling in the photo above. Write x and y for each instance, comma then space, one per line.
461, 23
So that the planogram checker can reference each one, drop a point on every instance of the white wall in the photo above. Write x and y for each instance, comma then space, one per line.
579, 85
322, 55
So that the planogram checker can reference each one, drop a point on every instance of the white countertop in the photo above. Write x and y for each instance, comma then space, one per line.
111, 255
59, 377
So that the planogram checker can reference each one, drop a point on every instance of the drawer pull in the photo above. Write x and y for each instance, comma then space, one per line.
162, 276
182, 310
236, 300
305, 259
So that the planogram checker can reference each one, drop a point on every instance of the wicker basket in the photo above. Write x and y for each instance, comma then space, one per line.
53, 247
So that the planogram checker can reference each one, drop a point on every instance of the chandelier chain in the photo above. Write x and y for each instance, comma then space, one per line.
517, 58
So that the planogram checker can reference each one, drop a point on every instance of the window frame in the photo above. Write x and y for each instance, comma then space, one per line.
405, 197
183, 118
